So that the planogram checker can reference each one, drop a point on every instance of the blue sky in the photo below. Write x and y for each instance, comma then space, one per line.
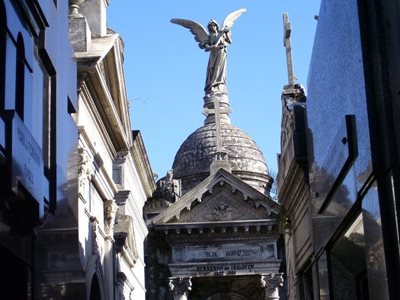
165, 69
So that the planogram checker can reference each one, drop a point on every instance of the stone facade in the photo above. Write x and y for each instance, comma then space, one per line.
75, 175
222, 235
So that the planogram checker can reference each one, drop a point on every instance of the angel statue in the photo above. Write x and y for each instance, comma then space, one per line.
215, 41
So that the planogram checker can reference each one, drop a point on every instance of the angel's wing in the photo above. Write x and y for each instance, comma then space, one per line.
231, 18
200, 34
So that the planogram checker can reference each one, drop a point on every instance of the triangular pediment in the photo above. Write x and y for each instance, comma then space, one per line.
221, 197
102, 69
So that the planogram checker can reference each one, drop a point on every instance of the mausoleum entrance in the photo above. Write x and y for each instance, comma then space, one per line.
221, 240
224, 288
252, 287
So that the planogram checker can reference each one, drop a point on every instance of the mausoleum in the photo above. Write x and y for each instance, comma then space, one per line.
213, 226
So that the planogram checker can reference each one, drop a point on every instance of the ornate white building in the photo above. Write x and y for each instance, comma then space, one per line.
114, 175
74, 174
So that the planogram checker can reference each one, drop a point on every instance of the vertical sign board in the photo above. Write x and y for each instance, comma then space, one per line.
27, 162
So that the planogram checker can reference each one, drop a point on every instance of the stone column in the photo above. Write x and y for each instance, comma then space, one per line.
180, 287
271, 284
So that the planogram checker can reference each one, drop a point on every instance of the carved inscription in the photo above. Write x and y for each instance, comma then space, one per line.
228, 253
211, 254
232, 253
221, 270
27, 165
242, 252
224, 253
32, 156
28, 146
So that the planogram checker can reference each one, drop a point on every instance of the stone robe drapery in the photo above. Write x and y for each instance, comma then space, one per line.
216, 69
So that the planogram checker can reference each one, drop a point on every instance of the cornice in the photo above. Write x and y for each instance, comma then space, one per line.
104, 50
142, 164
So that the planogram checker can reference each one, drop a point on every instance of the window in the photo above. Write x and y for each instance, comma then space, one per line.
49, 136
306, 285
348, 263
20, 77
3, 37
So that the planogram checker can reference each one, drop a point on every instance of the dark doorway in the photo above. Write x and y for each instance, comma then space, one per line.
95, 289
226, 288
15, 277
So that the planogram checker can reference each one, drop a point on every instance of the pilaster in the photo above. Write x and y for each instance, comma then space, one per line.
271, 284
180, 287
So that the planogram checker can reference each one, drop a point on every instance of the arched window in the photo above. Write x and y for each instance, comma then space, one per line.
20, 77
3, 37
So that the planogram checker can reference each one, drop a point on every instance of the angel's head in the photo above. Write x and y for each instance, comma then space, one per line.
213, 26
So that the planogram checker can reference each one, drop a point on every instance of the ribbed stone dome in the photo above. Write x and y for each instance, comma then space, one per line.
193, 159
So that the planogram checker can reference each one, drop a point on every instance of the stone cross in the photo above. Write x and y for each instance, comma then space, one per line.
218, 127
287, 29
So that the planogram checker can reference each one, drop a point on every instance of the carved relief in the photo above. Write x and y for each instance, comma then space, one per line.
110, 209
180, 286
222, 212
271, 283
223, 205
118, 167
96, 244
121, 156
85, 170
124, 235
169, 187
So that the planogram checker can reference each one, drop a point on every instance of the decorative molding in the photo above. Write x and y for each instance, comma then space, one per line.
180, 286
120, 158
205, 188
85, 168
271, 283
94, 224
221, 212
103, 177
110, 209
142, 163
74, 8
93, 109
124, 236
121, 197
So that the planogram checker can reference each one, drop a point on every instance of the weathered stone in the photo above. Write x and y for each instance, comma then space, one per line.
198, 151
79, 34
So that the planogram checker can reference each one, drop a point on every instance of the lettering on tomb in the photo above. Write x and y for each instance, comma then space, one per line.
27, 166
226, 252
